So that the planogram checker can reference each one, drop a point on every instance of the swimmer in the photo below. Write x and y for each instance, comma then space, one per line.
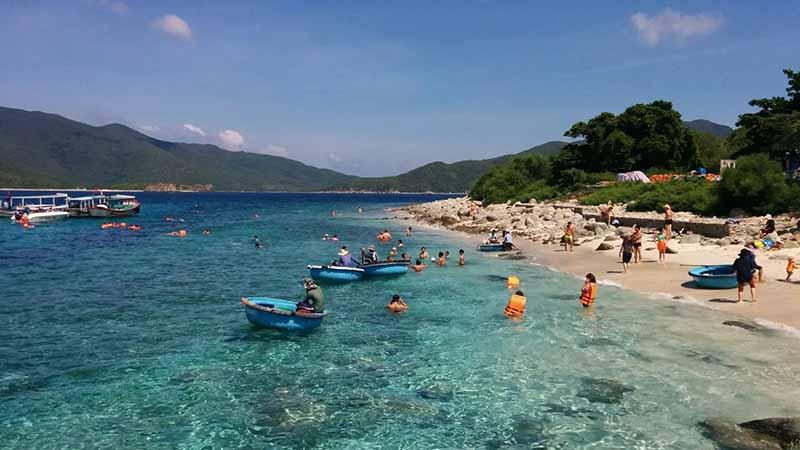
516, 305
360, 210
335, 238
405, 257
179, 233
400, 243
447, 254
397, 305
392, 254
256, 216
441, 261
206, 231
461, 257
419, 266
408, 231
256, 242
423, 254
333, 213
325, 237
135, 228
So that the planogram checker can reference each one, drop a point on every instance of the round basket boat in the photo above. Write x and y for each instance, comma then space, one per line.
269, 312
335, 274
714, 277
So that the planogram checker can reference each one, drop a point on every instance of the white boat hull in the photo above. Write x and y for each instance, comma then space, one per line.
47, 216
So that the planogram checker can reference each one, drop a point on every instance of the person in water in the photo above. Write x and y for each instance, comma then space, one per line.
408, 231
405, 257
326, 237
397, 304
589, 290
335, 238
392, 254
256, 242
745, 266
400, 243
345, 258
515, 308
569, 237
314, 300
206, 231
419, 266
461, 257
441, 260
423, 254
626, 252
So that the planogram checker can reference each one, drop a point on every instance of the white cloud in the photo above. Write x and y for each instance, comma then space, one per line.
672, 24
335, 158
118, 7
231, 139
194, 129
174, 26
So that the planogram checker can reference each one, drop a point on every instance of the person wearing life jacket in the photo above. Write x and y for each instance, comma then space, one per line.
589, 290
516, 305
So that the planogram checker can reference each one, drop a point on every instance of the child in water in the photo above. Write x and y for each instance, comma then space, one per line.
589, 290
461, 257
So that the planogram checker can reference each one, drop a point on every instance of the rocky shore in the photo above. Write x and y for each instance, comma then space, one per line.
544, 222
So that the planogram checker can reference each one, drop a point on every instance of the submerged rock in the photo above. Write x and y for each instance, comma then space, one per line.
777, 433
746, 325
435, 393
601, 390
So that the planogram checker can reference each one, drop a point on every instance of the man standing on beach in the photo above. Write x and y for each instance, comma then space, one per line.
745, 266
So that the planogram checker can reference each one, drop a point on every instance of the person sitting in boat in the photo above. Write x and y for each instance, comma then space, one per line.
315, 298
370, 256
345, 258
492, 239
397, 305
508, 244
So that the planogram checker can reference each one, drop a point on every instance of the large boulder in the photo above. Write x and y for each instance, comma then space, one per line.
449, 219
777, 433
691, 239
604, 246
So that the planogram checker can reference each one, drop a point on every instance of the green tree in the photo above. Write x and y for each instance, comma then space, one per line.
775, 128
757, 185
643, 136
710, 150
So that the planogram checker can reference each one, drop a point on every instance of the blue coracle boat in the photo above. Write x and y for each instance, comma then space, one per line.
336, 274
714, 277
386, 268
275, 313
491, 248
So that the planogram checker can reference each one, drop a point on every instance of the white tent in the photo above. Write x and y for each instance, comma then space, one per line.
635, 176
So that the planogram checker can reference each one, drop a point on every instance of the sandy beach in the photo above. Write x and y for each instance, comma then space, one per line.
778, 304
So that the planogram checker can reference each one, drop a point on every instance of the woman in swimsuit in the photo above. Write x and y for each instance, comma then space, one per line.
668, 222
636, 238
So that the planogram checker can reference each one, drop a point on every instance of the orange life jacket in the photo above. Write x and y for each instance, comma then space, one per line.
516, 306
587, 298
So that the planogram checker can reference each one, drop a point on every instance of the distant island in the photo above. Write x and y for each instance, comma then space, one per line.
169, 187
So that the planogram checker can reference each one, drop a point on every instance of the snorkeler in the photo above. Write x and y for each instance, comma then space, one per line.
397, 305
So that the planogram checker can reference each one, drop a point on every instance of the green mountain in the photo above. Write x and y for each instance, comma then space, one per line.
47, 150
707, 126
443, 177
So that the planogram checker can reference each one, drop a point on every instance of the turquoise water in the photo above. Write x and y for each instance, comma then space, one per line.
136, 340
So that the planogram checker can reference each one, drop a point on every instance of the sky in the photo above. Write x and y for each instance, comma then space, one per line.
378, 88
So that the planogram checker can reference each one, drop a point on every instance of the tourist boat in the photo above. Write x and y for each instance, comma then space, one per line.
336, 274
491, 248
387, 268
79, 206
115, 206
275, 313
714, 277
38, 207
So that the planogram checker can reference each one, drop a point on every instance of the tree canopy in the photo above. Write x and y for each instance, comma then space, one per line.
642, 137
775, 128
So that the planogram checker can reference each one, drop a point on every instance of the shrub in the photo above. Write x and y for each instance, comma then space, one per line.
515, 179
758, 185
693, 195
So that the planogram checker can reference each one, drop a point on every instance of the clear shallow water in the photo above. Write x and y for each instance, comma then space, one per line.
118, 339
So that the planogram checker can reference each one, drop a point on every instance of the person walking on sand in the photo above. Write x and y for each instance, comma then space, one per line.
745, 266
636, 238
626, 252
589, 290
790, 266
569, 237
668, 222
661, 245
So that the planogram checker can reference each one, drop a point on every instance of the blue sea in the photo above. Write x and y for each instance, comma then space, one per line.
118, 339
